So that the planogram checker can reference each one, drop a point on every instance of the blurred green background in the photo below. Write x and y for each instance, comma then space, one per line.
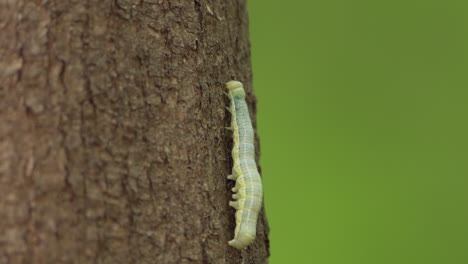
362, 116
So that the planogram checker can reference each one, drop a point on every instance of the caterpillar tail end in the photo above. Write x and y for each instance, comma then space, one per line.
241, 241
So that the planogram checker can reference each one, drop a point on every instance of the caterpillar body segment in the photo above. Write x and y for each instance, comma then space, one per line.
248, 192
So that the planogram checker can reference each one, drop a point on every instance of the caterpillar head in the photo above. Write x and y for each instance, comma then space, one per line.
236, 88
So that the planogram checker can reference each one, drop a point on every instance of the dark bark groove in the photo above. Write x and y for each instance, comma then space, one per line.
112, 139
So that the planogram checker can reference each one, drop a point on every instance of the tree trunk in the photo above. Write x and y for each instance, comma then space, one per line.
112, 139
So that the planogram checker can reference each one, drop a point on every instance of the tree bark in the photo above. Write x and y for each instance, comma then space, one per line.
112, 139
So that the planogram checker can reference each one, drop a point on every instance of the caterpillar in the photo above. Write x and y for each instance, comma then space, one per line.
248, 191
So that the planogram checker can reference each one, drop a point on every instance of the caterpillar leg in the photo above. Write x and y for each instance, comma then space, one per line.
236, 187
232, 176
234, 204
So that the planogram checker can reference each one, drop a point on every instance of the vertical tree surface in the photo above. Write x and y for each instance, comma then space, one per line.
112, 139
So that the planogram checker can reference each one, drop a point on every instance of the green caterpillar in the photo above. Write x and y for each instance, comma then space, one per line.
248, 191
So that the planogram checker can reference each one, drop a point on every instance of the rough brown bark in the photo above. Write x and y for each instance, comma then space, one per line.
112, 139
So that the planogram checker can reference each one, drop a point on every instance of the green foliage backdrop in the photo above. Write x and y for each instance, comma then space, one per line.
362, 116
